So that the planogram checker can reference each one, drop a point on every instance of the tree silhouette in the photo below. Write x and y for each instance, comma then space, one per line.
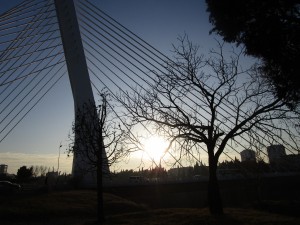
24, 173
98, 143
203, 103
270, 30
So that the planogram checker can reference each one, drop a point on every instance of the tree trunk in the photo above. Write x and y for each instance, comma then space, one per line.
214, 196
100, 200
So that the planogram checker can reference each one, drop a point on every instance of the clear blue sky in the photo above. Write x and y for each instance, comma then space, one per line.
159, 22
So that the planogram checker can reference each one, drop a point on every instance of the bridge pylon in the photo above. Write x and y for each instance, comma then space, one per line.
80, 85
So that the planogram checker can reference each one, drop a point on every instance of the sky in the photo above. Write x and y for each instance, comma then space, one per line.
37, 139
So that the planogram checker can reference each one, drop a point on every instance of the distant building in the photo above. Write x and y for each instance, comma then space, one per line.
3, 169
276, 153
181, 172
248, 155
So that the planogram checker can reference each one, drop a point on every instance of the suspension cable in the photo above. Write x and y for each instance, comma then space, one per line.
89, 20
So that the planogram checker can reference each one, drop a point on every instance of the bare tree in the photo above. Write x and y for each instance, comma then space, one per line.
208, 102
35, 171
43, 170
98, 143
39, 170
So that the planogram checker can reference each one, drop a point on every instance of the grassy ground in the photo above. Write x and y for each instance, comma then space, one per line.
79, 208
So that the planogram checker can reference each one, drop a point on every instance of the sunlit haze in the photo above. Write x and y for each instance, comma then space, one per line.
156, 147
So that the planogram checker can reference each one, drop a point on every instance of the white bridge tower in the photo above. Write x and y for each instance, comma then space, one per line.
79, 79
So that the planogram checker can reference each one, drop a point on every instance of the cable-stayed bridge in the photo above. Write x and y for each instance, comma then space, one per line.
33, 62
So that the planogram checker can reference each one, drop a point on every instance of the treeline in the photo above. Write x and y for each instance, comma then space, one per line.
33, 173
283, 165
152, 173
42, 173
225, 168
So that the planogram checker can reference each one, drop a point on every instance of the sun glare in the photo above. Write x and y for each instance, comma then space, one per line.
155, 147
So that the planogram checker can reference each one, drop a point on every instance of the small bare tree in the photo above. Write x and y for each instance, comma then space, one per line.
43, 170
205, 102
39, 171
98, 144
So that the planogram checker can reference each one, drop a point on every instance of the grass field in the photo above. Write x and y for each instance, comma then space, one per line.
79, 208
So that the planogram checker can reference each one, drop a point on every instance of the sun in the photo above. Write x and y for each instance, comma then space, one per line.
155, 147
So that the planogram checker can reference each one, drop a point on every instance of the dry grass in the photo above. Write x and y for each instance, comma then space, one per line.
185, 216
79, 208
